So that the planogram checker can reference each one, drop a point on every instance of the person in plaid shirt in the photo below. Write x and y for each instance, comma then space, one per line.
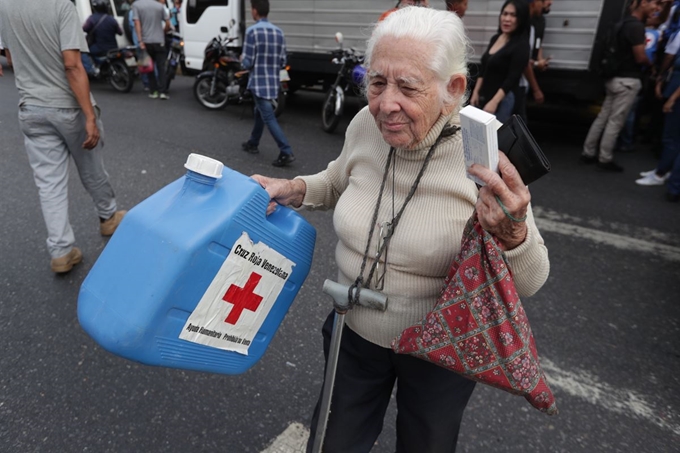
264, 54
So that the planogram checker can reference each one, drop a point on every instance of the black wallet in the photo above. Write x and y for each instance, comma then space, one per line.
515, 140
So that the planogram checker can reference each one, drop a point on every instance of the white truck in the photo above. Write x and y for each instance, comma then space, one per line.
574, 33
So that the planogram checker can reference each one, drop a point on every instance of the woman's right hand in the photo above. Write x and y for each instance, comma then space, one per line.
668, 105
286, 192
474, 99
491, 106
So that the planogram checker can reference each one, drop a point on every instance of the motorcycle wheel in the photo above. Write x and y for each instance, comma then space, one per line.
280, 102
329, 119
202, 93
170, 71
120, 77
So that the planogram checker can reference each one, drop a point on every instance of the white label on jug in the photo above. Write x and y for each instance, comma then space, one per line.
240, 297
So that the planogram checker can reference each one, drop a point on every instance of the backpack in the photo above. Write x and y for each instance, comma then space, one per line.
611, 59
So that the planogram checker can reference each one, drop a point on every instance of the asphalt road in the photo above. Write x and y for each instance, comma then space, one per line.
606, 323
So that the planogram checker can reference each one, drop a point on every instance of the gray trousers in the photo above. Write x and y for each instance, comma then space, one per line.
621, 92
51, 135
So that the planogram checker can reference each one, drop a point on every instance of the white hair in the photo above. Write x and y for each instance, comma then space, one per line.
445, 32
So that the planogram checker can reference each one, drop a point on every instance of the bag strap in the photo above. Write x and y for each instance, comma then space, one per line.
352, 295
97, 24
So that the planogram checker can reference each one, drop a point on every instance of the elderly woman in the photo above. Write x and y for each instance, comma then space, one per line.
402, 171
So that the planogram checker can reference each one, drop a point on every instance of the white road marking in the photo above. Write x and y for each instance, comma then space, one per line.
627, 402
577, 383
598, 224
292, 440
668, 252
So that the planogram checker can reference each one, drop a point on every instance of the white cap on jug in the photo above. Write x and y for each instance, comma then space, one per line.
204, 165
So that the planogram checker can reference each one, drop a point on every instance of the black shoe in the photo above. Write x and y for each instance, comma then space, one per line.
672, 197
587, 159
283, 160
610, 166
247, 147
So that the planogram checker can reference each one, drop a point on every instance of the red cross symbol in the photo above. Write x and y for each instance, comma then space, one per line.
242, 298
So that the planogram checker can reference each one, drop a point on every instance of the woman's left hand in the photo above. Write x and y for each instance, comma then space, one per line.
502, 192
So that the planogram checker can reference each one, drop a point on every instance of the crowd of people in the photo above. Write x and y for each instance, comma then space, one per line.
643, 80
150, 19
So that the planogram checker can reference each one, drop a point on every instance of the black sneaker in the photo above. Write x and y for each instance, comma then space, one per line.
672, 197
247, 147
587, 159
610, 166
283, 160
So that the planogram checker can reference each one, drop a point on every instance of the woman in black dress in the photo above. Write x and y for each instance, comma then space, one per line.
505, 59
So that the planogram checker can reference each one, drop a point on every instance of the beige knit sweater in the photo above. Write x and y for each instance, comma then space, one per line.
428, 236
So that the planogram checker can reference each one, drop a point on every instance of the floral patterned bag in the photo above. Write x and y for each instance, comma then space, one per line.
478, 327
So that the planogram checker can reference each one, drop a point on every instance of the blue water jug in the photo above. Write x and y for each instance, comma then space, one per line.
197, 276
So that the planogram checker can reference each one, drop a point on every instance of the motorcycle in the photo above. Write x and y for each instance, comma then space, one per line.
175, 45
223, 80
114, 69
349, 80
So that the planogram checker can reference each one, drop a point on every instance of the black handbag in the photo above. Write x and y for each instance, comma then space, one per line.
516, 141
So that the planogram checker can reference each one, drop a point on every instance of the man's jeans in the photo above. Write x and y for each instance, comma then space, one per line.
621, 93
674, 180
670, 140
159, 55
51, 135
264, 115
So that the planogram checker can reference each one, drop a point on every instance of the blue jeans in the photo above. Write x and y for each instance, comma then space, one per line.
674, 180
506, 107
627, 135
670, 140
264, 115
88, 64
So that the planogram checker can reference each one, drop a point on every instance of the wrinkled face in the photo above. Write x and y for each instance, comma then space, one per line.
509, 18
403, 93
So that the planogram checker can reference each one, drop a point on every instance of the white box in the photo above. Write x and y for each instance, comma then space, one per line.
480, 139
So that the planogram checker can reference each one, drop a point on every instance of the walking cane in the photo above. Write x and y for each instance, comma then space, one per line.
340, 295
